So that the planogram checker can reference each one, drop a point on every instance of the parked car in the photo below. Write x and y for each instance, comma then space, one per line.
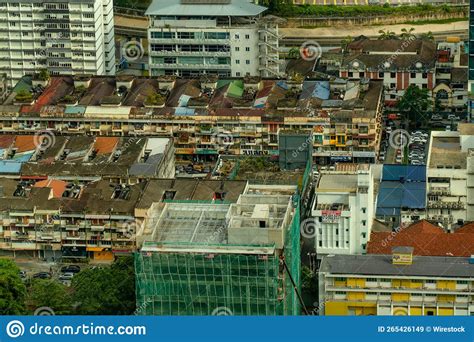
42, 275
66, 276
70, 269
453, 117
436, 117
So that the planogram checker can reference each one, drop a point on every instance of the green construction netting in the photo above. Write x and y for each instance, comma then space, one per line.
205, 284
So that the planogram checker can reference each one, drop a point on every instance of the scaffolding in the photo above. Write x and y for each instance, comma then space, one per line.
205, 274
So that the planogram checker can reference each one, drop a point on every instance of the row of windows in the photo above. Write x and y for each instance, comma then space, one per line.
190, 35
426, 281
392, 74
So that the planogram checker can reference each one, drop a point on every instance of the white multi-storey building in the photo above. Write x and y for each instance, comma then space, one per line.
450, 181
73, 37
343, 211
220, 37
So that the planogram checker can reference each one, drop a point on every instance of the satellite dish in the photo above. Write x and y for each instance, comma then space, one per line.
386, 64
355, 64
418, 65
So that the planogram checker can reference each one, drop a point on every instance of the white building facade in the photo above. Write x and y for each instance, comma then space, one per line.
228, 38
343, 211
74, 37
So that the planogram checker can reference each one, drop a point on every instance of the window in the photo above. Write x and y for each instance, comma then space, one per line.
247, 36
380, 74
237, 48
236, 36
364, 235
320, 243
350, 74
393, 74
237, 61
392, 85
424, 75
462, 282
430, 281
424, 86
237, 74
361, 74
340, 292
247, 49
247, 61
372, 279
364, 222
364, 210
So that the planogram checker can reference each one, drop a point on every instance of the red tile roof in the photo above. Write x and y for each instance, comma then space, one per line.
58, 186
105, 145
427, 240
25, 143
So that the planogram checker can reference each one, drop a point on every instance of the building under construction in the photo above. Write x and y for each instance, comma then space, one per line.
219, 258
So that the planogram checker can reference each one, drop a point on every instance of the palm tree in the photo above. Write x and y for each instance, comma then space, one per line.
384, 35
407, 34
427, 36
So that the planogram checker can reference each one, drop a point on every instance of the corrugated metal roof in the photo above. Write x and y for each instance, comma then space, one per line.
9, 167
175, 7
413, 173
395, 195
74, 110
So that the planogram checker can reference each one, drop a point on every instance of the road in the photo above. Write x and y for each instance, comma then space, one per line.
325, 36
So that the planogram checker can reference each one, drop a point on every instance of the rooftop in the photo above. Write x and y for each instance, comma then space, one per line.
427, 239
390, 54
145, 98
381, 265
258, 218
76, 156
206, 8
445, 151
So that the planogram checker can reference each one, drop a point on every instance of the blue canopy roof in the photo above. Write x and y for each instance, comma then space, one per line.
411, 173
396, 195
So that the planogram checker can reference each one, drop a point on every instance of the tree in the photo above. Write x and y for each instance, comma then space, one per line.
407, 34
413, 105
346, 41
294, 53
12, 289
106, 291
23, 95
49, 293
385, 35
427, 36
44, 75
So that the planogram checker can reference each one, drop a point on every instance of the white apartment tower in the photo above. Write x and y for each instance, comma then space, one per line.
64, 37
220, 37
343, 211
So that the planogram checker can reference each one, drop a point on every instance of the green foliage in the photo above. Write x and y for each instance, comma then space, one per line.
49, 293
155, 100
387, 35
287, 9
308, 280
43, 75
413, 105
12, 289
23, 96
294, 53
407, 34
106, 291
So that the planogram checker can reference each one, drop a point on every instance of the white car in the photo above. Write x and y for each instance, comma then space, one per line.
453, 117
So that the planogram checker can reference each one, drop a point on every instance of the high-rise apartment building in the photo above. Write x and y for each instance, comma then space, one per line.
220, 37
74, 37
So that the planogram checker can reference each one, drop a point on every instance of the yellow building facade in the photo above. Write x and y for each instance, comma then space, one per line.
373, 285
